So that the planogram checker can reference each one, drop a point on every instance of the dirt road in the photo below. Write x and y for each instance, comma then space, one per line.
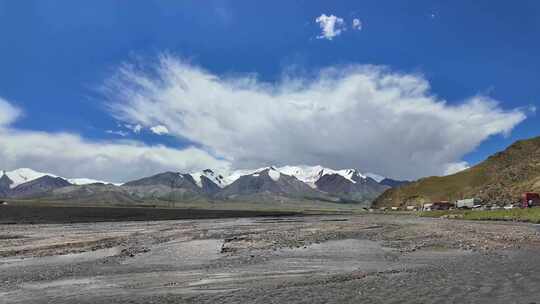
317, 259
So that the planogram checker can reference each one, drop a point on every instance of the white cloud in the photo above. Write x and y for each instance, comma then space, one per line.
456, 167
358, 116
117, 132
69, 155
159, 130
8, 113
357, 24
134, 128
331, 26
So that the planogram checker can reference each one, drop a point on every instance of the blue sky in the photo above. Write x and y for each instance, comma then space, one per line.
55, 56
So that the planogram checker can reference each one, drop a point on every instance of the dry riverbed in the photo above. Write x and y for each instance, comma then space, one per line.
314, 259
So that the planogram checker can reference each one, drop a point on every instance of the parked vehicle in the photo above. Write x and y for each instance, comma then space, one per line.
427, 207
530, 199
467, 203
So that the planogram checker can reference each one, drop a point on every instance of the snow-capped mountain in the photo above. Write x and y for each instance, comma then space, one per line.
311, 174
268, 184
298, 182
38, 187
272, 172
24, 175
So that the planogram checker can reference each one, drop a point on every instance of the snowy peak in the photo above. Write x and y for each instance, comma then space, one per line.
311, 174
306, 174
272, 172
376, 177
88, 181
216, 178
234, 175
24, 175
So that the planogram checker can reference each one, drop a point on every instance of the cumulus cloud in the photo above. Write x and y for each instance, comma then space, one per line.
357, 24
331, 26
69, 155
159, 130
8, 112
456, 167
363, 116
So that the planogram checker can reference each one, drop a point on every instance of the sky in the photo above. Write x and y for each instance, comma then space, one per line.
116, 90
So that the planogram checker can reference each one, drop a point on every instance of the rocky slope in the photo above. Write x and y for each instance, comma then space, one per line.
38, 187
501, 178
357, 189
392, 183
166, 186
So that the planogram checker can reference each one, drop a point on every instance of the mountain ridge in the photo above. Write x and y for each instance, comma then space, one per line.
501, 178
298, 182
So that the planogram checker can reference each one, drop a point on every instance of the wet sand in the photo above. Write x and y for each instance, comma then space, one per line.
316, 259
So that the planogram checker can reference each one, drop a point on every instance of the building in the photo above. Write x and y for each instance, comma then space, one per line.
443, 205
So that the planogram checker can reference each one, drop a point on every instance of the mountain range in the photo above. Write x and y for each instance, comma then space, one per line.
501, 178
281, 184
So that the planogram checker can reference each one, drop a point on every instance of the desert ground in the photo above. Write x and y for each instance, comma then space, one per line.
367, 258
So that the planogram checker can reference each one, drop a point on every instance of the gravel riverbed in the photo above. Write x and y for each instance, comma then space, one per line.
367, 258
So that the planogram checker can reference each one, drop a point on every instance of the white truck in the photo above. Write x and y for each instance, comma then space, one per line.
467, 203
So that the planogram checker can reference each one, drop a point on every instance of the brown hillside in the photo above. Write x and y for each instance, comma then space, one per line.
499, 179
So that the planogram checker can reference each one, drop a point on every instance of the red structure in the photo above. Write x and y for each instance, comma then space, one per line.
444, 205
530, 199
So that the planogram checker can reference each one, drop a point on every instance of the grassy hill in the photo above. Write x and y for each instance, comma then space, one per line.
499, 179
